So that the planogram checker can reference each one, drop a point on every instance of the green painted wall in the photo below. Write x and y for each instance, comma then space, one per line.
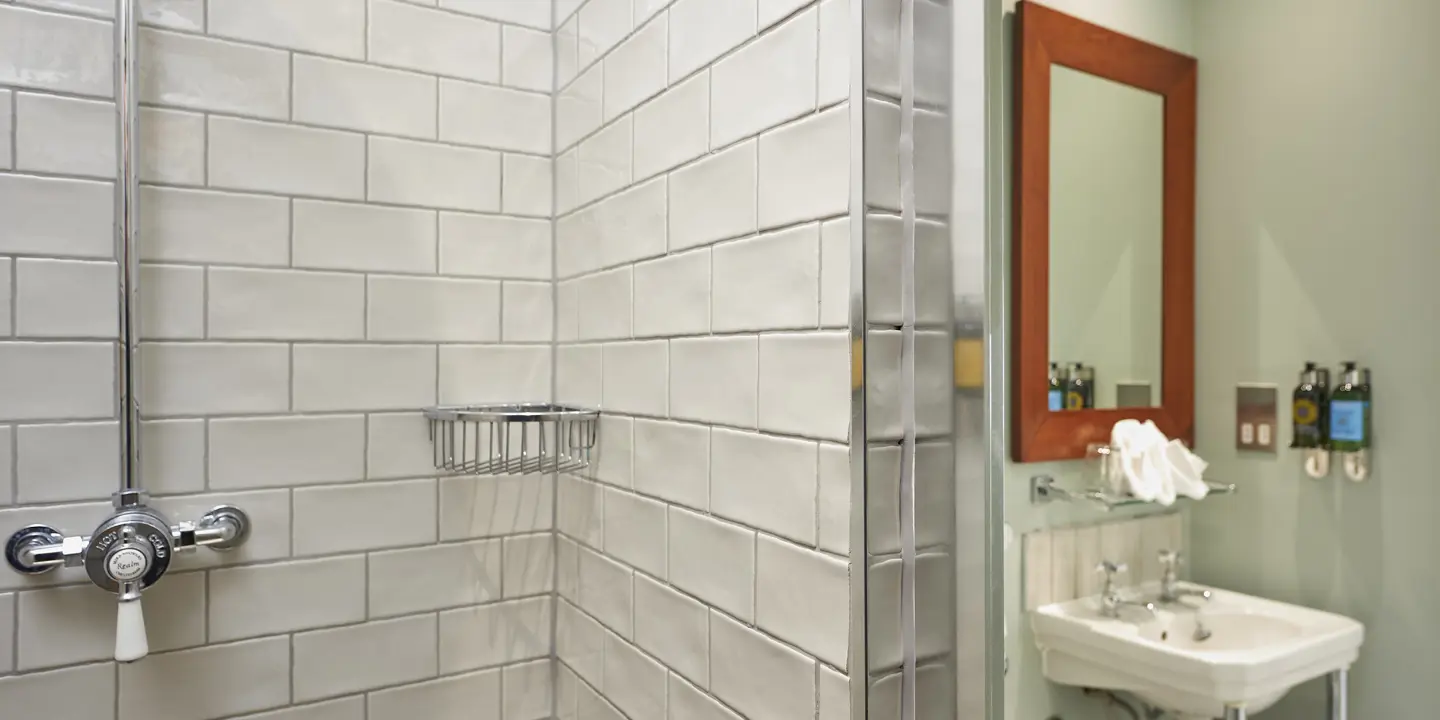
1319, 239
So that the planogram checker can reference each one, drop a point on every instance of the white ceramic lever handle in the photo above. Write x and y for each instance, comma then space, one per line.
131, 644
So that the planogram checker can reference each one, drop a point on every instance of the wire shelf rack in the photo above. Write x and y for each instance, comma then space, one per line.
512, 439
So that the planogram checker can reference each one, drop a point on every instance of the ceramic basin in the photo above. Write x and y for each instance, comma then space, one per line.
1257, 650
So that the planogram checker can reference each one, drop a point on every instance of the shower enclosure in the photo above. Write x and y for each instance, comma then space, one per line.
750, 233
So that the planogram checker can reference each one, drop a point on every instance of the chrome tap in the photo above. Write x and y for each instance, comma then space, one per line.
1170, 590
1110, 600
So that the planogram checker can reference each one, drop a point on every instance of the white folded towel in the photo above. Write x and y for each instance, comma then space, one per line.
1152, 467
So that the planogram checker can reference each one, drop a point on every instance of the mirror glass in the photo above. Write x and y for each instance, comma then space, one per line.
1107, 166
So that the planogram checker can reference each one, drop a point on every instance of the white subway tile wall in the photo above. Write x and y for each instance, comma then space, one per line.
702, 284
346, 215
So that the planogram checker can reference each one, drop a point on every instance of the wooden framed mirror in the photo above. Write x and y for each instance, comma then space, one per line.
1104, 254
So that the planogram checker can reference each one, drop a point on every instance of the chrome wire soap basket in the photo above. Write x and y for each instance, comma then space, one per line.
514, 439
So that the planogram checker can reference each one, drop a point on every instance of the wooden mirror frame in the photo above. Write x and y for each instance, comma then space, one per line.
1047, 37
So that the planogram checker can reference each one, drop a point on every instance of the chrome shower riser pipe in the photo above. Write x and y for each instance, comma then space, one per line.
127, 254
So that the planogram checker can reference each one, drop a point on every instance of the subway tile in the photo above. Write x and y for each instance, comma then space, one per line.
7, 294
528, 690
675, 125
76, 55
635, 71
415, 580
591, 705
773, 11
631, 225
604, 160
351, 518
768, 282
519, 12
606, 591
833, 499
885, 250
805, 384
803, 597
526, 185
344, 660
494, 373
65, 298
766, 82
579, 107
580, 642
7, 495
702, 30
52, 694
172, 147
567, 51
213, 227
714, 199
64, 135
7, 633
674, 294
417, 38
489, 635
76, 624
48, 468
567, 317
528, 312
363, 97
398, 446
686, 701
202, 73
330, 27
579, 510
454, 698
68, 380
674, 628
286, 451
603, 23
834, 80
246, 304
297, 161
70, 519
207, 682
567, 568
270, 516
758, 676
713, 560
529, 565
605, 305
646, 9
834, 695
57, 217
7, 129
433, 309
635, 531
765, 482
364, 377
634, 681
174, 452
528, 61
835, 273
177, 14
494, 506
579, 375
805, 169
99, 8
714, 380
494, 117
415, 173
215, 378
613, 460
286, 597
494, 246
672, 462
635, 380
351, 708
351, 236
932, 521
567, 181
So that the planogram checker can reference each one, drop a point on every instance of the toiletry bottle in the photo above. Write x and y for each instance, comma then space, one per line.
1350, 411
1306, 409
1080, 389
1057, 389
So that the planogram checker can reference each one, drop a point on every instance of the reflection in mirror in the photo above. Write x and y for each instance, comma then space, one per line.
1107, 167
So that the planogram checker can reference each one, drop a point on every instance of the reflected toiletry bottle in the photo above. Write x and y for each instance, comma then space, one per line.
1350, 411
1308, 406
1057, 388
1080, 388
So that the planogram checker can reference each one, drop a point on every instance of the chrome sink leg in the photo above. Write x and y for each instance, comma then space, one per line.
1339, 694
1234, 712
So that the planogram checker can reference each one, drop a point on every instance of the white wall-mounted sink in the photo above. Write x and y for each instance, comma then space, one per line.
1257, 650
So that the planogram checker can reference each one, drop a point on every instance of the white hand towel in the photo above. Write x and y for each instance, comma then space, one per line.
1128, 440
1186, 470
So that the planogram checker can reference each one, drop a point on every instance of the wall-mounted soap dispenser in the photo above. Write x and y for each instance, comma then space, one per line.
1080, 388
1057, 388
1310, 410
1350, 426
